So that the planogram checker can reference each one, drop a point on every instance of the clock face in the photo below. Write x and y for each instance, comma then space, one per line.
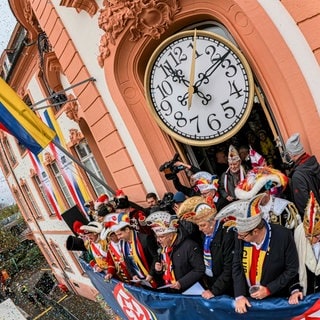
199, 88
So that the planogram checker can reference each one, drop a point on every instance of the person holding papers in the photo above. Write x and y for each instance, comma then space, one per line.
218, 246
139, 251
265, 262
180, 259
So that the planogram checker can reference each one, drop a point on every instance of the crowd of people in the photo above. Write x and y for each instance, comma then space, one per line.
237, 233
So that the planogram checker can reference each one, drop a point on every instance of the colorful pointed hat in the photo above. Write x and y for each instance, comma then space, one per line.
245, 214
195, 209
256, 159
311, 220
258, 178
233, 155
162, 222
205, 181
114, 219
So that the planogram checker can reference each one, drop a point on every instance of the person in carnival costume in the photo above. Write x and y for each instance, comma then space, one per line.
139, 251
307, 238
96, 247
217, 244
272, 182
180, 262
229, 179
208, 185
137, 215
265, 260
116, 265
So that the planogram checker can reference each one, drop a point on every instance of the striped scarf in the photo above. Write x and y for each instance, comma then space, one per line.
206, 251
120, 265
133, 251
253, 259
168, 276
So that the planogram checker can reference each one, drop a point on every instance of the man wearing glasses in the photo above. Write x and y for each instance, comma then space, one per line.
265, 260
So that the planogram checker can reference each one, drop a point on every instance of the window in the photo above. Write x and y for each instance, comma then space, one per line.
62, 259
35, 209
62, 184
4, 164
86, 157
48, 254
9, 152
22, 204
41, 189
47, 74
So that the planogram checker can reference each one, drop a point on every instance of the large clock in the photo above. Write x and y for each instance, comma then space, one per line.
199, 87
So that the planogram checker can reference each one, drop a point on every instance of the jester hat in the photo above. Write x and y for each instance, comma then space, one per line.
205, 181
162, 222
233, 155
260, 177
245, 214
195, 209
311, 220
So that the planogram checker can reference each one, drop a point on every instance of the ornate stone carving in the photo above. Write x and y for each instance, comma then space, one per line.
87, 5
146, 18
51, 69
48, 158
71, 108
75, 136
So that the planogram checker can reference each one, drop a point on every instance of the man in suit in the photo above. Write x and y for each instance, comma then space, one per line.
139, 251
265, 260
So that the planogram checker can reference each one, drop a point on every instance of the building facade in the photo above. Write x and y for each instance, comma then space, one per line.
91, 58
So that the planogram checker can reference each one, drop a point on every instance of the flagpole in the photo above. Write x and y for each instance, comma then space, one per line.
81, 165
62, 91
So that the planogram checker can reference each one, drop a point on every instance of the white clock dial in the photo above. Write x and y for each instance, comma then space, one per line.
221, 87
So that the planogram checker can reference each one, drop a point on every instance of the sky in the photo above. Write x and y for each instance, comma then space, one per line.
7, 24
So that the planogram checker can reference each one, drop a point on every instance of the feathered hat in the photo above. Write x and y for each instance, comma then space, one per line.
205, 181
195, 209
257, 178
245, 214
162, 222
105, 209
76, 227
92, 227
311, 220
114, 219
102, 199
256, 159
233, 155
121, 200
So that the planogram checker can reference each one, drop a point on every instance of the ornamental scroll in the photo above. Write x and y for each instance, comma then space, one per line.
146, 18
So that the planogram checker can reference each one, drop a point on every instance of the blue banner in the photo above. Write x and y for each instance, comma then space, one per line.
135, 303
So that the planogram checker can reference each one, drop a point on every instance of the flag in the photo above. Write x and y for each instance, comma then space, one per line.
20, 121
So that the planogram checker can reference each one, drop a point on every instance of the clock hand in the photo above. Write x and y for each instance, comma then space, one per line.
178, 76
204, 77
192, 70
